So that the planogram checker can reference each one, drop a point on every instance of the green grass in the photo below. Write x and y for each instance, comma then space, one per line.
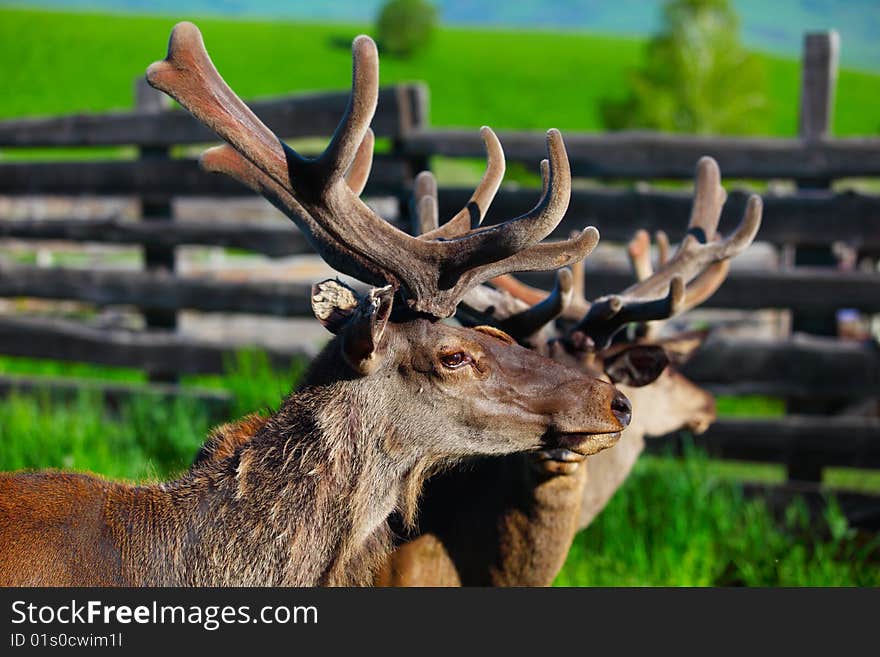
62, 62
148, 439
674, 523
16, 365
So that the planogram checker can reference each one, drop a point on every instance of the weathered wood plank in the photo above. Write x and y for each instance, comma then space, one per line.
662, 155
833, 441
804, 218
157, 290
802, 366
306, 115
271, 240
151, 351
810, 367
796, 289
818, 83
801, 289
181, 177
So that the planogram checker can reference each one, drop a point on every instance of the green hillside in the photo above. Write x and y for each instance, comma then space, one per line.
62, 62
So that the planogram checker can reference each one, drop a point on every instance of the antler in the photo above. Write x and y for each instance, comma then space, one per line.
696, 292
691, 276
484, 305
431, 273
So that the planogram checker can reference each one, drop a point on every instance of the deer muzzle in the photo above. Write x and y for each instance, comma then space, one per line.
589, 424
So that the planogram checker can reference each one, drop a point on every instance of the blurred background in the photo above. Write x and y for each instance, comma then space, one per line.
142, 302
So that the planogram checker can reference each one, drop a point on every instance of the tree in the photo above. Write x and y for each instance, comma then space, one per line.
405, 26
697, 76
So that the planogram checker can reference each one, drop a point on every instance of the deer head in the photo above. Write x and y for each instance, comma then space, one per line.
452, 390
663, 399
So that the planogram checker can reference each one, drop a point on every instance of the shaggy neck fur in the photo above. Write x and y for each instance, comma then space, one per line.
304, 501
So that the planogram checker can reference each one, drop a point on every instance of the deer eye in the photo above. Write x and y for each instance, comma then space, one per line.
455, 360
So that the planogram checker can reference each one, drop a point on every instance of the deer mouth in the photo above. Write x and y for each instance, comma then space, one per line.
568, 447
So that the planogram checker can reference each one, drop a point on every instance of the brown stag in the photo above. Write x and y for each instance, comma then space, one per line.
306, 499
511, 520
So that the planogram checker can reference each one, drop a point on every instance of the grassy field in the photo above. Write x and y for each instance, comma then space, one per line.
681, 523
61, 62
674, 523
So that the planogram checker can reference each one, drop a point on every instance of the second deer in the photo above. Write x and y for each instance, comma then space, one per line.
510, 521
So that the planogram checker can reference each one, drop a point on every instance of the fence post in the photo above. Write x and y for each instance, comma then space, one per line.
412, 102
156, 208
818, 84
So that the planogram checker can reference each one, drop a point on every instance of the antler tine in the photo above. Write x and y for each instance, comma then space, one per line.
225, 159
533, 295
705, 285
424, 208
473, 213
359, 171
187, 74
639, 251
608, 315
495, 243
697, 261
709, 198
528, 322
519, 290
545, 177
700, 249
662, 240
362, 102
546, 256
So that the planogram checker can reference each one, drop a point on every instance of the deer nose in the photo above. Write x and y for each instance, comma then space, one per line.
622, 409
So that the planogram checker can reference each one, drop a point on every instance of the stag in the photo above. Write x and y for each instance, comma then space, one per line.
510, 521
397, 393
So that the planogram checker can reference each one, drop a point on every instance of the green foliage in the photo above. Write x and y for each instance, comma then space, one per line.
696, 77
405, 26
674, 523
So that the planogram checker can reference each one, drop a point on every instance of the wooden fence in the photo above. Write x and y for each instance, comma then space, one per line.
811, 372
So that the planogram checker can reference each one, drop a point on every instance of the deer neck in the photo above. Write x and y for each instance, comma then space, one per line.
304, 501
606, 472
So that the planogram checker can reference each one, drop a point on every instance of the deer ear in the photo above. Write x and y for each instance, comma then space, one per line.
682, 346
361, 336
333, 303
636, 366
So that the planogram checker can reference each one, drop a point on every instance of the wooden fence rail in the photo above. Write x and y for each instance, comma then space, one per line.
800, 289
173, 177
801, 367
151, 351
802, 218
658, 155
306, 115
843, 441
